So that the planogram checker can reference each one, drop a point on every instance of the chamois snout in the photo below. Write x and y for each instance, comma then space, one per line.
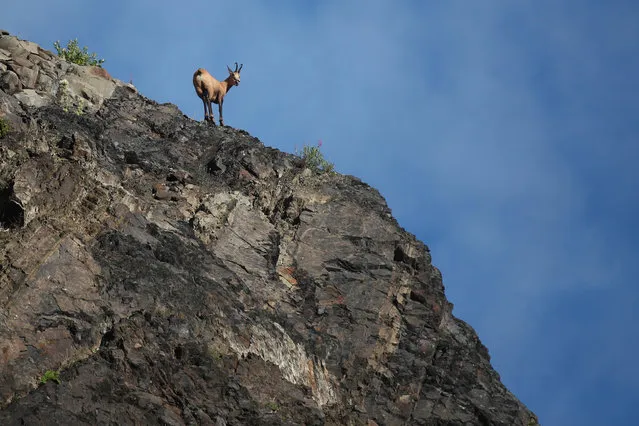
235, 74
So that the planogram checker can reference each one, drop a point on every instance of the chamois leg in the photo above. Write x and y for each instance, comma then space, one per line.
206, 113
208, 102
211, 113
221, 119
205, 98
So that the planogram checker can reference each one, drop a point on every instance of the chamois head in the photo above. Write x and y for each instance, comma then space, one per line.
235, 75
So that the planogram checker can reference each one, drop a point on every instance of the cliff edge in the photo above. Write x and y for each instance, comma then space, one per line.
158, 270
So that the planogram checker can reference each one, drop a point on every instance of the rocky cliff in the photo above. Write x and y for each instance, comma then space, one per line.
176, 273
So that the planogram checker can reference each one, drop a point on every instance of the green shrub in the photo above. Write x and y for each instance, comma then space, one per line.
315, 160
4, 128
50, 375
72, 53
66, 99
273, 406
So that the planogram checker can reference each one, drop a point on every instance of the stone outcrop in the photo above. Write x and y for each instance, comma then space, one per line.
36, 77
178, 273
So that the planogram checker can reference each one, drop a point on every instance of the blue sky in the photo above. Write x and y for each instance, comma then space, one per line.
502, 134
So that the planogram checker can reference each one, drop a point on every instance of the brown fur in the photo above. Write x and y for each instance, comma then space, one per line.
209, 89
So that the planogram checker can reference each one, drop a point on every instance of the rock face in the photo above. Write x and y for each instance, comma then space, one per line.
178, 273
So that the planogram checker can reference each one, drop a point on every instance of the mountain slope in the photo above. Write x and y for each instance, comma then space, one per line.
180, 273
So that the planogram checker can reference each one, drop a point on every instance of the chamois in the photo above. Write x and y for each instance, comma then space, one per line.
211, 90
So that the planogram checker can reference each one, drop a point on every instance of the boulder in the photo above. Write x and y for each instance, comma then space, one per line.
10, 82
32, 98
27, 76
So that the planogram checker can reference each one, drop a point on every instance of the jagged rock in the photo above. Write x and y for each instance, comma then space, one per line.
11, 110
44, 83
21, 60
28, 76
25, 66
30, 47
83, 82
20, 53
31, 98
9, 43
10, 83
180, 273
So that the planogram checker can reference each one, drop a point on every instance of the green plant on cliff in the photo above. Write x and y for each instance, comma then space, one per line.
79, 108
4, 128
315, 160
72, 53
50, 375
66, 99
533, 421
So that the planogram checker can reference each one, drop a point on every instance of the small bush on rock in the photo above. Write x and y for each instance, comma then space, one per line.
4, 128
315, 160
50, 375
66, 99
72, 53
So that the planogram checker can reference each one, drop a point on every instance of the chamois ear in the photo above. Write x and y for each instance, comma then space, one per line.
230, 70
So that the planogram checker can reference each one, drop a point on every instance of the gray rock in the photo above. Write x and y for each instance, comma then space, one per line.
27, 76
11, 111
44, 83
9, 43
48, 67
83, 83
19, 52
21, 61
63, 66
32, 98
35, 59
29, 46
10, 83
46, 54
